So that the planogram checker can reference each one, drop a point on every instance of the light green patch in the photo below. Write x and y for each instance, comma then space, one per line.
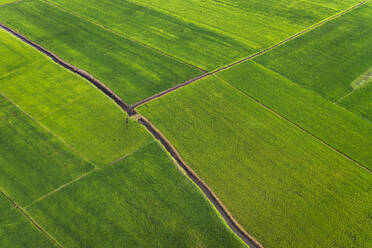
362, 80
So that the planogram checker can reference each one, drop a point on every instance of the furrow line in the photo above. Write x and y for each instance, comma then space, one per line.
73, 69
30, 219
212, 197
249, 57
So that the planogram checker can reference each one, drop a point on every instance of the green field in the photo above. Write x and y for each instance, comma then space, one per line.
298, 79
286, 188
16, 232
48, 118
141, 201
132, 71
27, 152
328, 59
248, 24
197, 45
333, 124
282, 139
66, 104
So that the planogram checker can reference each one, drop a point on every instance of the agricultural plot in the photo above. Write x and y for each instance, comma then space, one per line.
331, 123
197, 45
286, 188
66, 104
131, 70
248, 24
16, 231
328, 59
141, 201
33, 161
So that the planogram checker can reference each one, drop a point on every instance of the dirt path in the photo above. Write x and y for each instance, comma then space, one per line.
73, 69
229, 219
249, 57
30, 219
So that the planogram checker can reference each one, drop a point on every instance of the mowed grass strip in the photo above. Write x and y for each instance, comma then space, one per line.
286, 188
329, 122
16, 231
328, 59
69, 106
33, 161
141, 201
197, 45
131, 70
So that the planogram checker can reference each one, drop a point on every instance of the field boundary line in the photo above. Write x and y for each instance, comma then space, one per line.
343, 97
296, 125
101, 86
209, 194
261, 52
61, 187
32, 220
49, 131
157, 50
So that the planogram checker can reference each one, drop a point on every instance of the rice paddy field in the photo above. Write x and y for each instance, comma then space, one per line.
193, 123
137, 193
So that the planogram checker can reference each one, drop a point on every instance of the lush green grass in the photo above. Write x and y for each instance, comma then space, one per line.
260, 24
132, 71
68, 105
197, 45
16, 231
141, 201
328, 59
285, 187
330, 122
33, 161
292, 11
360, 101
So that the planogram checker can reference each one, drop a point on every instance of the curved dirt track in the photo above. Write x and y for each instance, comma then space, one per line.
230, 221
